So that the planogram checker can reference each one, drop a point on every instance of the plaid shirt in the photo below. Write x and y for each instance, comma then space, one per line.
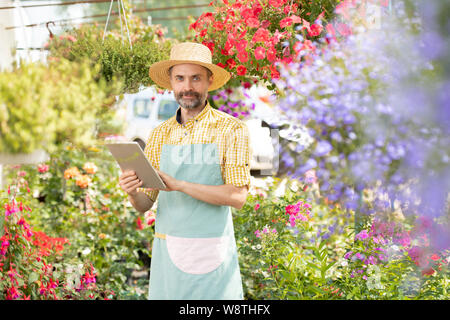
209, 126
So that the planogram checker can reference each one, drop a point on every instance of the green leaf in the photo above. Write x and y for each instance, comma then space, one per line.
33, 277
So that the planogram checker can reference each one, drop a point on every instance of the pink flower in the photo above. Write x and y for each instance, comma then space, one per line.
261, 35
344, 29
241, 45
258, 233
292, 209
257, 206
362, 235
285, 22
260, 53
242, 56
277, 3
315, 30
43, 168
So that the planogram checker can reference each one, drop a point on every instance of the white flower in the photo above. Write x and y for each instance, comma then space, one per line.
86, 251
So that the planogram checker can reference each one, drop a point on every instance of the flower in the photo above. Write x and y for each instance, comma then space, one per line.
362, 235
83, 181
260, 53
71, 172
257, 206
292, 209
241, 70
43, 168
315, 30
261, 35
285, 22
90, 167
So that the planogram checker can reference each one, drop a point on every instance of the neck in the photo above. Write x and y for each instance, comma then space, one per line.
187, 114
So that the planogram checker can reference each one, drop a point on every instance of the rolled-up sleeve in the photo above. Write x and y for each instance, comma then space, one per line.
236, 167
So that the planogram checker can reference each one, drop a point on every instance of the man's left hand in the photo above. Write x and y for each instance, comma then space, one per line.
171, 183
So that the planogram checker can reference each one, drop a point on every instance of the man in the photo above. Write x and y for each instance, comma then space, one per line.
202, 155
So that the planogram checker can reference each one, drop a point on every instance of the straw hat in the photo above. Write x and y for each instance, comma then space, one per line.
188, 52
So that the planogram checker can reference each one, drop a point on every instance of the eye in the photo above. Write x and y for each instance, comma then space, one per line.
179, 78
196, 78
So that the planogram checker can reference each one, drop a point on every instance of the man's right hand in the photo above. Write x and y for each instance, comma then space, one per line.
129, 182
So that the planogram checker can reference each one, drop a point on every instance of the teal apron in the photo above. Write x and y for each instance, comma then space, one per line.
194, 255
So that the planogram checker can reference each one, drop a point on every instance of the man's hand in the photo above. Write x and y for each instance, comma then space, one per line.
129, 182
171, 183
221, 195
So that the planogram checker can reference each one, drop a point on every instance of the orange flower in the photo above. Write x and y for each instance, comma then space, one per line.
90, 167
71, 172
83, 181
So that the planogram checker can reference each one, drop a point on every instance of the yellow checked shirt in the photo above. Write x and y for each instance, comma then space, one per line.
209, 126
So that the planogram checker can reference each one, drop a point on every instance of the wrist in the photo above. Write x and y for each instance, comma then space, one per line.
181, 186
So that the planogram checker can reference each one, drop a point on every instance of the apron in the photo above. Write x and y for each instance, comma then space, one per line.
194, 255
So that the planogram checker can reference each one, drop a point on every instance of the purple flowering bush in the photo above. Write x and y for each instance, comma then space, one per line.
376, 111
234, 102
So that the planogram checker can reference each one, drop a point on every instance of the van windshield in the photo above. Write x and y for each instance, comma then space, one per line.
167, 109
141, 108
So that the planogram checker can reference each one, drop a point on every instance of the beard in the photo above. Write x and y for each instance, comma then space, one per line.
196, 101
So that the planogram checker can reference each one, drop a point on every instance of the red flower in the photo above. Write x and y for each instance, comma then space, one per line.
241, 70
261, 35
218, 25
271, 54
277, 3
260, 53
139, 225
315, 30
210, 45
434, 257
252, 22
220, 64
285, 22
242, 56
231, 63
241, 45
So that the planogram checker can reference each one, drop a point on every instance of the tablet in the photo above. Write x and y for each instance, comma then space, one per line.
130, 156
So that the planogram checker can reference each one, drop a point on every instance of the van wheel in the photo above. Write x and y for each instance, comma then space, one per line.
141, 143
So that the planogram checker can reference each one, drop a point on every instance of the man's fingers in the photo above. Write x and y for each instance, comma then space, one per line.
131, 186
129, 178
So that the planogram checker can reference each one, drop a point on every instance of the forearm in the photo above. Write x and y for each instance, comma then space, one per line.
222, 195
140, 201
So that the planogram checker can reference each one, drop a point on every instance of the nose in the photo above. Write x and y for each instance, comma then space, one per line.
187, 85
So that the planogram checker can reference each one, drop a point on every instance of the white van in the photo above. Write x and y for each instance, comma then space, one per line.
149, 107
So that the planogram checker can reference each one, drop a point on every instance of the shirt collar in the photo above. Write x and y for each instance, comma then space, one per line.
198, 117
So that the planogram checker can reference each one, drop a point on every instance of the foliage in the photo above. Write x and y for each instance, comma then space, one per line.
34, 265
78, 198
116, 58
317, 255
43, 105
249, 37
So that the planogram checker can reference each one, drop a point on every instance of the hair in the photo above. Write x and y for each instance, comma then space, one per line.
208, 72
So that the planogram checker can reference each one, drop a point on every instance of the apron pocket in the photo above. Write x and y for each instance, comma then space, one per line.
197, 255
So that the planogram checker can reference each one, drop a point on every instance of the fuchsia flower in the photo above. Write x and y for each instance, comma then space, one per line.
257, 206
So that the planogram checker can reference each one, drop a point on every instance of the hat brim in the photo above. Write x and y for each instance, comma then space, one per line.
159, 73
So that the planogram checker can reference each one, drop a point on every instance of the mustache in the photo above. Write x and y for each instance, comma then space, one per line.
189, 93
